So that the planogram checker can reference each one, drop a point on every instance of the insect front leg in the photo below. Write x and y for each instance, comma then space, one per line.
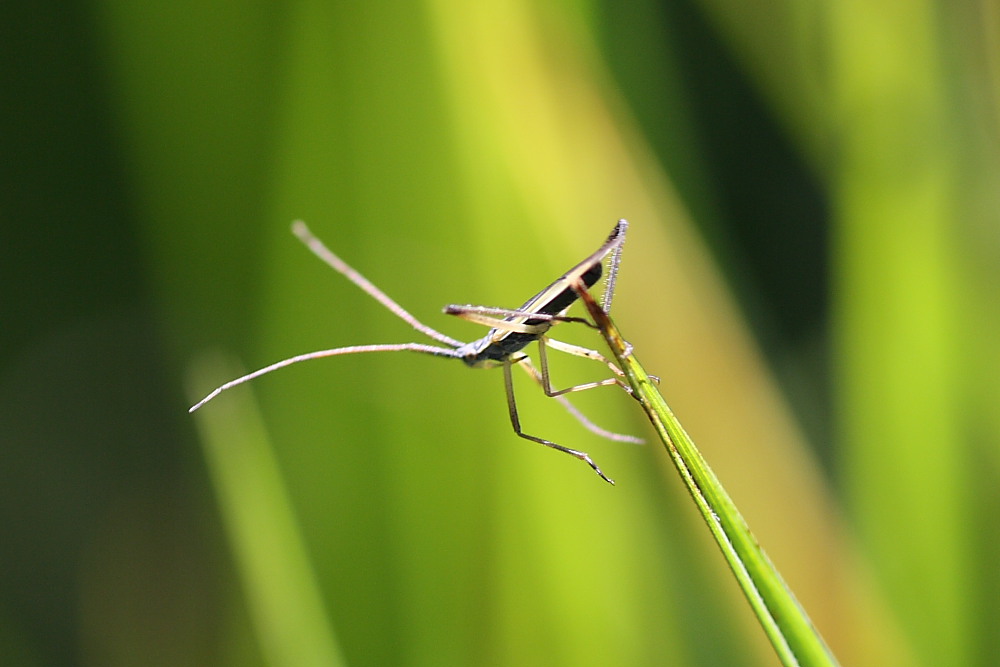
493, 317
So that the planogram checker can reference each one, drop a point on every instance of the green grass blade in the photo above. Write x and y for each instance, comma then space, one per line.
283, 597
784, 621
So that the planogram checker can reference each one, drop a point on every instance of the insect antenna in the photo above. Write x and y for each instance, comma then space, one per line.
300, 229
320, 354
317, 247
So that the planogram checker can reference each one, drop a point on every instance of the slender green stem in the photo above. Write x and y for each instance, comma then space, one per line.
787, 626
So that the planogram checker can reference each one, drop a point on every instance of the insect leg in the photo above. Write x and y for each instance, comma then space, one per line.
525, 363
551, 392
480, 315
577, 351
477, 315
516, 423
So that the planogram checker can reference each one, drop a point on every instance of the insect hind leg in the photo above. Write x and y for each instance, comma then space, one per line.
525, 363
515, 422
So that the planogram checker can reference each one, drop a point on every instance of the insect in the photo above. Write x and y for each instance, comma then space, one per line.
511, 331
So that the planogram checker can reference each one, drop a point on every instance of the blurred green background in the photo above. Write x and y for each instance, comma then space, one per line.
812, 269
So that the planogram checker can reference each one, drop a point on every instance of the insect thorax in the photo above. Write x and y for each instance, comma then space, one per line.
498, 345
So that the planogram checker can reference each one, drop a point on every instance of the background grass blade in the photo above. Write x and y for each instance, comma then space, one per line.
284, 600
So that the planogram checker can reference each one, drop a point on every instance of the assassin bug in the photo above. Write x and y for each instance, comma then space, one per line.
511, 331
